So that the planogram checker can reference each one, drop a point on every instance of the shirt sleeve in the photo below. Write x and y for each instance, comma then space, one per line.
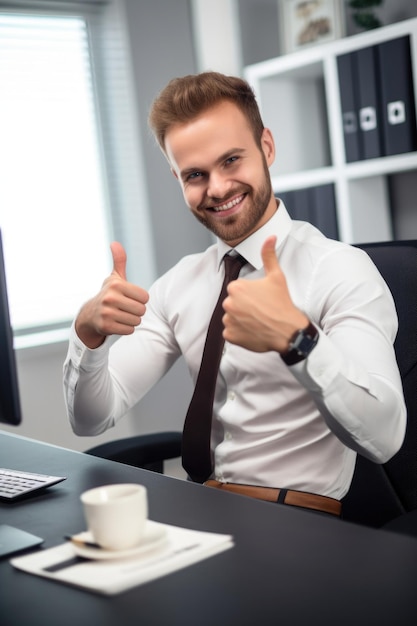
87, 387
352, 373
101, 385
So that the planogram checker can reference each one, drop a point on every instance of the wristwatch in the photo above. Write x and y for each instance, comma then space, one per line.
302, 343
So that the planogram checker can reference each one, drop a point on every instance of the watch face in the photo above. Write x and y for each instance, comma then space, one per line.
304, 344
306, 340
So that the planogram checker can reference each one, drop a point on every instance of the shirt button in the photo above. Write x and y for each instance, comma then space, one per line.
228, 436
231, 395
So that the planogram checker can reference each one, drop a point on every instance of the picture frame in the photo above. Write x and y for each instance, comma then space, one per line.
305, 23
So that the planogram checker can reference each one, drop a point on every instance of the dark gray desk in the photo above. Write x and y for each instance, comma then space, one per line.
289, 566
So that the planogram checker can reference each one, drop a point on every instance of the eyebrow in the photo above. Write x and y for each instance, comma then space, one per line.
189, 170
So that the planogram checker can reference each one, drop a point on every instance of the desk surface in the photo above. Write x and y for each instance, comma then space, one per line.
288, 567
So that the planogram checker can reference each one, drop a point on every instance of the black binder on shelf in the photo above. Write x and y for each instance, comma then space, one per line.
287, 197
316, 205
324, 210
298, 204
301, 202
369, 102
348, 85
397, 96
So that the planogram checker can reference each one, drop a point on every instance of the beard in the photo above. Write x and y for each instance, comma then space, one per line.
238, 227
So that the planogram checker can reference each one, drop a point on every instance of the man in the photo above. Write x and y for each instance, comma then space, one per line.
283, 418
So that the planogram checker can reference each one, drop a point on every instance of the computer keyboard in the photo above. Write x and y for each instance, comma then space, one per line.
16, 484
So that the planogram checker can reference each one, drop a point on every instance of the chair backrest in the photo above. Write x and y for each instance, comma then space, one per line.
379, 493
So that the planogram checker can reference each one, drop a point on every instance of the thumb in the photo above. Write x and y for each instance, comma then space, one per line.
269, 257
119, 259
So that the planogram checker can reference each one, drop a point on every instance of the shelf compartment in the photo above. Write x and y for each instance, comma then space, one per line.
369, 210
293, 106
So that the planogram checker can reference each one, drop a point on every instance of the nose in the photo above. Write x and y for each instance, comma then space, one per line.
218, 185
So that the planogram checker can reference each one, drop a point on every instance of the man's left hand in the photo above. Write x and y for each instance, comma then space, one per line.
260, 314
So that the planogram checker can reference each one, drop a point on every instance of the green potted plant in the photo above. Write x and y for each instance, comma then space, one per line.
363, 14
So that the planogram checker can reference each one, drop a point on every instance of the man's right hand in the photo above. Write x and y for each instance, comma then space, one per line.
116, 310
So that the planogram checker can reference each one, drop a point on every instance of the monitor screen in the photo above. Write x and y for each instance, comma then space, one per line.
9, 390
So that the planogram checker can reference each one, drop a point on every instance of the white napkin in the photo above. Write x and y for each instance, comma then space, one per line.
182, 547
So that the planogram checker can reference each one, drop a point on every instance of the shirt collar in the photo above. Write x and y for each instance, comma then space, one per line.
250, 248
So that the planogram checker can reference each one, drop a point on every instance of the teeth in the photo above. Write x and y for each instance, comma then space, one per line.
228, 205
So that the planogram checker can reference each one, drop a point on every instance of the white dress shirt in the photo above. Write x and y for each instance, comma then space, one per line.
297, 427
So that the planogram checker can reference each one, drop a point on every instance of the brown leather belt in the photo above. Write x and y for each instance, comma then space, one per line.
283, 496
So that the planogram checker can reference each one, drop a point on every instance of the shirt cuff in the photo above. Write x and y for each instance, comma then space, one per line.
321, 366
87, 358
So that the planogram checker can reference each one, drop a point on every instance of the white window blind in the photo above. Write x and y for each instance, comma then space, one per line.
52, 190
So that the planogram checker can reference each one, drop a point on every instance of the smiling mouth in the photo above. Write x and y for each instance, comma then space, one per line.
227, 205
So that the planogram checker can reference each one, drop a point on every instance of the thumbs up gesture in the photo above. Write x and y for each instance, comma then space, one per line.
118, 307
260, 314
119, 259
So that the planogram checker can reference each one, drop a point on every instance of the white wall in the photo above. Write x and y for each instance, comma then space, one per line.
222, 52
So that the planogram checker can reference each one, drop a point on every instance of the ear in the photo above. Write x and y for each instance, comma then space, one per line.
268, 146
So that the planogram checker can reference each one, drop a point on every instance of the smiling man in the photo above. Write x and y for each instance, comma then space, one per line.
307, 377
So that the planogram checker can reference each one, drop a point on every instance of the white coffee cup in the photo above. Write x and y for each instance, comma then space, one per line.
116, 515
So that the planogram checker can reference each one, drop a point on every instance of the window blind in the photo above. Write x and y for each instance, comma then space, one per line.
53, 205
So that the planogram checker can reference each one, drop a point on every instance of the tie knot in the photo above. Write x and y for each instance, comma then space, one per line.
232, 266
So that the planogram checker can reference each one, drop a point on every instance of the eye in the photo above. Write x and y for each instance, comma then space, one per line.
231, 160
193, 176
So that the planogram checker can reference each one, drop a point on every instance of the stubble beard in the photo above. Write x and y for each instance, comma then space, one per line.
238, 227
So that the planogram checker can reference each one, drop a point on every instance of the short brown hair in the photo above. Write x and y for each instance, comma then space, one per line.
185, 98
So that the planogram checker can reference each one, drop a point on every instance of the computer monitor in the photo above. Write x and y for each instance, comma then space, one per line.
10, 412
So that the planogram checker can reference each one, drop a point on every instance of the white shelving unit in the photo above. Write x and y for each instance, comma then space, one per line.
299, 98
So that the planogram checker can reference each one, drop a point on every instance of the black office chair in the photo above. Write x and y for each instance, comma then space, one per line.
379, 493
145, 451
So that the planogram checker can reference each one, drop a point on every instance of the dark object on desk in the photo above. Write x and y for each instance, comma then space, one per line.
13, 540
16, 485
379, 493
79, 542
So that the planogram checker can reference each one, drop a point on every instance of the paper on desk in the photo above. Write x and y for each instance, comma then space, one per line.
182, 548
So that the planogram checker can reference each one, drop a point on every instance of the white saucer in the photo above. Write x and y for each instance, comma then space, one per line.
154, 537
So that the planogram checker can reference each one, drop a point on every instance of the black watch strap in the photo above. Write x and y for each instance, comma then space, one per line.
301, 344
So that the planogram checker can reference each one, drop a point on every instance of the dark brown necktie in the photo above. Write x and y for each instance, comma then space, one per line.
196, 453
